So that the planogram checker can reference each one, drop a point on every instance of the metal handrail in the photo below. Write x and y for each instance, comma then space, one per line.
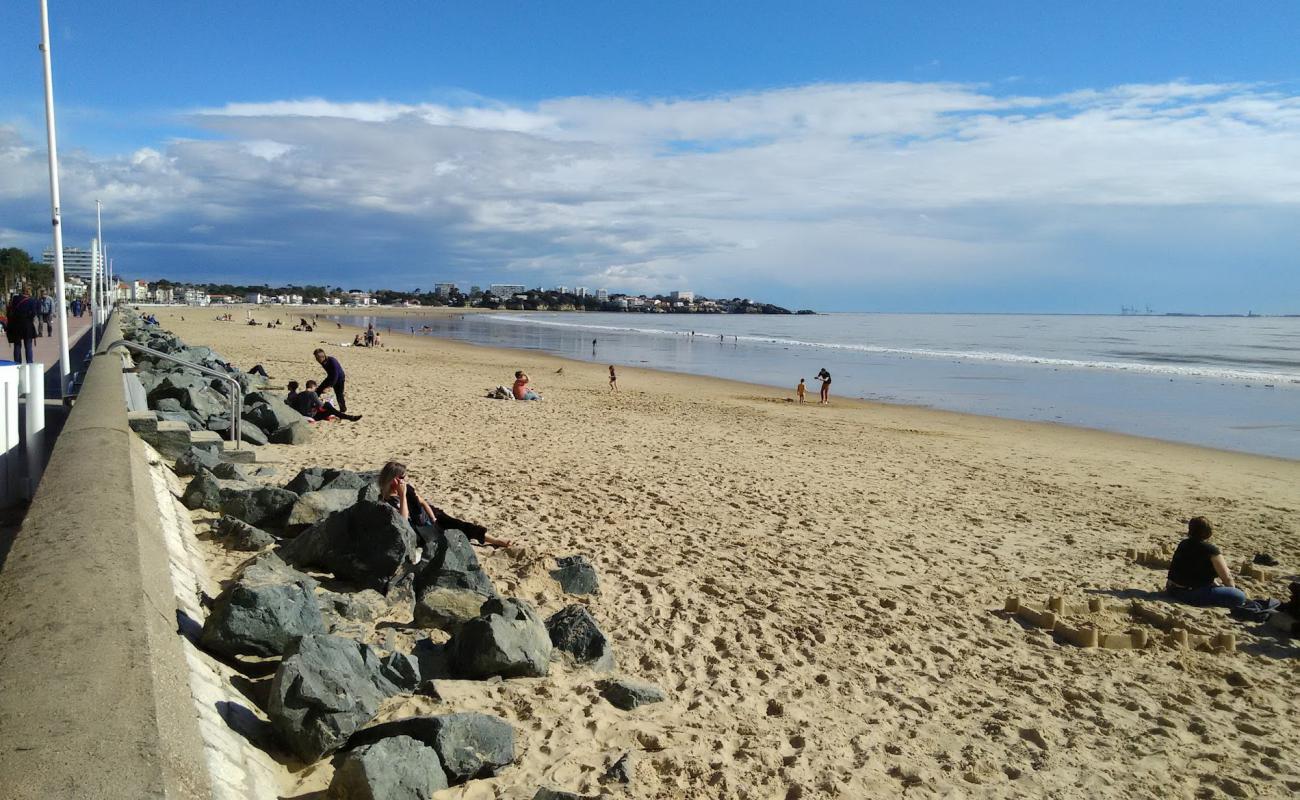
236, 395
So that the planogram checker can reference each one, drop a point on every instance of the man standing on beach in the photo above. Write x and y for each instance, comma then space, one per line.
334, 376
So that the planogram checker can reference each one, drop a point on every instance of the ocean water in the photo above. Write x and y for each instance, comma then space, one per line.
1225, 382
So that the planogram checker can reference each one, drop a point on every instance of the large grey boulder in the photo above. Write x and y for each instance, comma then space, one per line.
270, 413
325, 688
194, 459
506, 639
264, 506
628, 694
396, 768
576, 575
252, 435
263, 612
230, 472
470, 745
574, 631
236, 534
312, 507
452, 586
299, 432
315, 479
368, 544
191, 420
203, 491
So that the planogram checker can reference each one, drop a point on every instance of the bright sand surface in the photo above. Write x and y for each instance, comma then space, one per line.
819, 588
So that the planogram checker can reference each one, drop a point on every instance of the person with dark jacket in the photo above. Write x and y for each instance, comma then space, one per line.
398, 492
20, 323
334, 376
1195, 565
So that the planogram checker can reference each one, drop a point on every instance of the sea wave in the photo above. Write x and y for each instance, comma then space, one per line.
1155, 364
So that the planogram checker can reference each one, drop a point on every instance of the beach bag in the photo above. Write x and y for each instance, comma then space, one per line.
1256, 610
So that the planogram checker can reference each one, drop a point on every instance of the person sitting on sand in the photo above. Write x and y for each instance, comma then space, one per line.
398, 492
1195, 565
356, 341
521, 390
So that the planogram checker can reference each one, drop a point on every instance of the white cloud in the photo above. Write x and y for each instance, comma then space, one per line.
831, 185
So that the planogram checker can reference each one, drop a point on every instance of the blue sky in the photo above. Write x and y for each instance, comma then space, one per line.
880, 156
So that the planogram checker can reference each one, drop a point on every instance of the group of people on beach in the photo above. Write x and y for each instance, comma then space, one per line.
825, 378
312, 401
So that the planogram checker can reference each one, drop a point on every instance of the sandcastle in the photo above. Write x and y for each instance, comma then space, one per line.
1177, 631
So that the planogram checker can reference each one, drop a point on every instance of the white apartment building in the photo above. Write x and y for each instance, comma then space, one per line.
685, 297
602, 295
581, 291
507, 289
444, 289
196, 297
140, 292
77, 263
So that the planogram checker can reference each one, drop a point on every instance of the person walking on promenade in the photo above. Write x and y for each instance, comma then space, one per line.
613, 379
20, 323
46, 304
825, 378
334, 377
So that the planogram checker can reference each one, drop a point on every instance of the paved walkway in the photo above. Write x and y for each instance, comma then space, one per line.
46, 351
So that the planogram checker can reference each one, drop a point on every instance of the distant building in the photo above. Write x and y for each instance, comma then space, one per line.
161, 295
256, 298
561, 290
77, 263
507, 289
444, 289
581, 291
139, 292
685, 297
196, 297
602, 295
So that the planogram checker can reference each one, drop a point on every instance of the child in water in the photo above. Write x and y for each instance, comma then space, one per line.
800, 389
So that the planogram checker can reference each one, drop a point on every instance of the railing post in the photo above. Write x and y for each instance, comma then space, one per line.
10, 460
35, 438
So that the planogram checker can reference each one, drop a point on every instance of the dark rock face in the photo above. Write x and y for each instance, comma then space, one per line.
253, 435
239, 535
269, 412
325, 688
230, 472
506, 639
576, 575
397, 768
202, 492
452, 586
312, 507
368, 544
264, 506
574, 631
471, 745
314, 479
299, 432
628, 694
621, 770
264, 612
194, 459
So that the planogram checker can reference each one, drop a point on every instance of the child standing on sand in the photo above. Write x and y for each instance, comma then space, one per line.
800, 389
613, 379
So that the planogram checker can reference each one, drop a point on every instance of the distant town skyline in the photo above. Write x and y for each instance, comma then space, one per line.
920, 156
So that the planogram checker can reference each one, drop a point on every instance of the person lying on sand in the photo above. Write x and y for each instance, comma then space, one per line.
521, 390
1195, 565
310, 404
398, 492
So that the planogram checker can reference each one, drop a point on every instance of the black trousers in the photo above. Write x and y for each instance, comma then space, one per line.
338, 393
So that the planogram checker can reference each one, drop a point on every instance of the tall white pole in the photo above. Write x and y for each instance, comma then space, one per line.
99, 265
55, 213
94, 293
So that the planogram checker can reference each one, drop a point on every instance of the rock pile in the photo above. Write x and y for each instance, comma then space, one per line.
179, 393
329, 684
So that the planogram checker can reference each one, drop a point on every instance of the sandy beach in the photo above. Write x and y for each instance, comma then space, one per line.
819, 589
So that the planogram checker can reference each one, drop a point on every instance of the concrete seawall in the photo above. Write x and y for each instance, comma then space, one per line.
94, 692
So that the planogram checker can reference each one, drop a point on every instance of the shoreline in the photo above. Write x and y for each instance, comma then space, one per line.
780, 393
820, 593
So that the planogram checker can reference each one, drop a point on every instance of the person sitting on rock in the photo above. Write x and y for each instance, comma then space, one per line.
1195, 565
398, 492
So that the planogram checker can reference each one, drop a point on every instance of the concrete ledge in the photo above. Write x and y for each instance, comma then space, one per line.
94, 694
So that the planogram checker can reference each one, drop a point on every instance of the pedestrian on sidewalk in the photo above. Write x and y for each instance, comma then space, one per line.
46, 304
20, 325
